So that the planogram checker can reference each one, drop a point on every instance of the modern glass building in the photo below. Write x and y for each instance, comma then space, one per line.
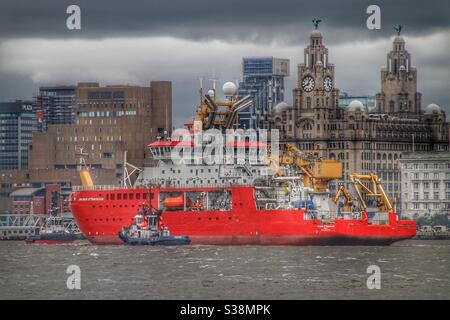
263, 79
17, 124
54, 105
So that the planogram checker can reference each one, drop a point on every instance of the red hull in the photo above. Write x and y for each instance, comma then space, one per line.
101, 219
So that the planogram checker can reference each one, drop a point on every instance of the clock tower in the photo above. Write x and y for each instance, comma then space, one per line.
315, 97
399, 93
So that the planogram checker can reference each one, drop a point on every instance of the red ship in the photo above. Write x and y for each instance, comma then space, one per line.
100, 217
241, 203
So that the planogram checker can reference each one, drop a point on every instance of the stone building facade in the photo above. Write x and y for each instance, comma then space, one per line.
425, 183
365, 141
399, 83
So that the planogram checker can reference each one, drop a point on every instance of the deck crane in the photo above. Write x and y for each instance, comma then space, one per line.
343, 192
376, 190
220, 114
85, 175
317, 172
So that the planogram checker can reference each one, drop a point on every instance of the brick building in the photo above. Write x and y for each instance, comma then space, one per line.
108, 121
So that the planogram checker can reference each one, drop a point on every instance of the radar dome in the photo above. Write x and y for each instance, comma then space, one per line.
211, 93
432, 108
229, 89
355, 105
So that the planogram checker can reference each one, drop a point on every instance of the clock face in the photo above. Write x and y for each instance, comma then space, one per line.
308, 83
328, 84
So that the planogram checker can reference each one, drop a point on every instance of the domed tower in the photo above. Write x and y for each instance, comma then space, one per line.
315, 96
399, 82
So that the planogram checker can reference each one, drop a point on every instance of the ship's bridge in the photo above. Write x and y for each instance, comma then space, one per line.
162, 150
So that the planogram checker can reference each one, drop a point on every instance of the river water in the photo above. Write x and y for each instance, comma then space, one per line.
410, 269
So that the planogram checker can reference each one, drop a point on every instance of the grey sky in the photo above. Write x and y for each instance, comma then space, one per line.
138, 41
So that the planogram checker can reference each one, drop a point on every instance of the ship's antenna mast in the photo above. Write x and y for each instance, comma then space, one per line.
214, 80
126, 182
201, 90
82, 154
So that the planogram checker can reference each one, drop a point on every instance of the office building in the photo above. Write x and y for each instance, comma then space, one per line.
17, 124
263, 79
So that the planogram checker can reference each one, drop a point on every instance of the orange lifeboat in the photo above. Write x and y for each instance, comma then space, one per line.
174, 202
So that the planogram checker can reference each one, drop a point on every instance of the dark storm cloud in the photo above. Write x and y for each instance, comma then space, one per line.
243, 20
180, 40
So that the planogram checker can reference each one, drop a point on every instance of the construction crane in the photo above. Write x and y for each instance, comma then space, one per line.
342, 192
376, 190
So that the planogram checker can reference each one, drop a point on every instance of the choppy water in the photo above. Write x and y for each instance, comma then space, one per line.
409, 269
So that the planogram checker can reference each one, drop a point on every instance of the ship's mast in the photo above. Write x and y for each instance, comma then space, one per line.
126, 181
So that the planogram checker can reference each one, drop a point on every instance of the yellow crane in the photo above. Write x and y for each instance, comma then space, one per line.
343, 192
85, 175
317, 172
376, 190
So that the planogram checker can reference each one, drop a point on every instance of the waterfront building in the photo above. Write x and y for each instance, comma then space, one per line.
17, 124
425, 183
51, 199
263, 79
109, 121
54, 105
365, 141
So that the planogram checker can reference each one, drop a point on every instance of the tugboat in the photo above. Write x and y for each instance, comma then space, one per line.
148, 229
53, 232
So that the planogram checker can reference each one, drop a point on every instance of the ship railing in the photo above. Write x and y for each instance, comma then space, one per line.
98, 187
198, 185
163, 185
